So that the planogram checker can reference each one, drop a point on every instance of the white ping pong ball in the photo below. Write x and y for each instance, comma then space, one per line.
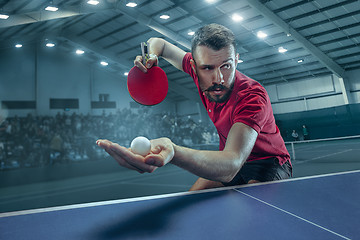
141, 146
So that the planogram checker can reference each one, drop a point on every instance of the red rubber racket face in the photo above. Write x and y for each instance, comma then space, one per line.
147, 88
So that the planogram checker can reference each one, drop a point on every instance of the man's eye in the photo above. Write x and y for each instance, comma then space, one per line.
226, 66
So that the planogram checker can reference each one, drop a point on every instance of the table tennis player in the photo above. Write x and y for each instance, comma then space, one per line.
251, 148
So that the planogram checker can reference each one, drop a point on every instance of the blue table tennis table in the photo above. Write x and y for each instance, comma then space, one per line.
318, 207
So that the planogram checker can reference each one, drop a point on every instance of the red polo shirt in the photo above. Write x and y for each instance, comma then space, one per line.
250, 104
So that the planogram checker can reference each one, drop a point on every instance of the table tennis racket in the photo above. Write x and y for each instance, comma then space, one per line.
148, 88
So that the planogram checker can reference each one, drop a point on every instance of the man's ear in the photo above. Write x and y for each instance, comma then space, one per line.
192, 63
236, 59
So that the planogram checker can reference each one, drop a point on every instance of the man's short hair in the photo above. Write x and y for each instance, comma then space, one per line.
214, 36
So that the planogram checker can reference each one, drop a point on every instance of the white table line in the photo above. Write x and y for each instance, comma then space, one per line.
292, 214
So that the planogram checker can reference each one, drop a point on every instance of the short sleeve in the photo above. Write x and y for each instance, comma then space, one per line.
252, 110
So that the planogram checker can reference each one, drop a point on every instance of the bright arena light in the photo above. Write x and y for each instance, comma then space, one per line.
261, 34
18, 45
93, 2
165, 16
131, 4
191, 33
4, 16
50, 45
282, 50
51, 8
79, 52
236, 17
104, 63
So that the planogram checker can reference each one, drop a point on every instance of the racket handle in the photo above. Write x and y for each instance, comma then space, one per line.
145, 52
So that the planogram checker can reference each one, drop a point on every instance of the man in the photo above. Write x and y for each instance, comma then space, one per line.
295, 135
251, 148
305, 133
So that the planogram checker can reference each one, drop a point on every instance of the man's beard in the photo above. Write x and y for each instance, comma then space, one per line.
218, 99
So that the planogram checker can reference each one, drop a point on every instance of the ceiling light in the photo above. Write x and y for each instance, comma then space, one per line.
210, 1
104, 63
126, 73
93, 2
191, 33
240, 61
18, 45
79, 52
4, 16
51, 8
50, 45
282, 50
131, 4
165, 16
300, 60
236, 17
261, 34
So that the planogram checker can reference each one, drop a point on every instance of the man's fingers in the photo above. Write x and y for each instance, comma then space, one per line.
103, 143
162, 152
155, 160
131, 158
152, 61
107, 146
158, 160
122, 162
125, 157
138, 63
156, 150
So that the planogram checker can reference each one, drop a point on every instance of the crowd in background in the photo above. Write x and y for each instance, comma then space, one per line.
46, 140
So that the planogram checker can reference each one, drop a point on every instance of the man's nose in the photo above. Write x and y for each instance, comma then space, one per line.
219, 78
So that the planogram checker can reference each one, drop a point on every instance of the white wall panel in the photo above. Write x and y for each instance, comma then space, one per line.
313, 94
305, 87
286, 107
325, 102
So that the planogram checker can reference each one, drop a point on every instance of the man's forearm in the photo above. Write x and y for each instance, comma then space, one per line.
156, 46
168, 51
219, 166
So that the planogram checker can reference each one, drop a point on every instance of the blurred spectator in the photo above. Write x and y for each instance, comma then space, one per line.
7, 129
2, 156
305, 133
56, 148
295, 135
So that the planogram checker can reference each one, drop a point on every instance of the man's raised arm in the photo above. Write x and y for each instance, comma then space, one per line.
161, 48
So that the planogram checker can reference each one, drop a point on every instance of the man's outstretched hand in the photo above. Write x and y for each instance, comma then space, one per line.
161, 153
